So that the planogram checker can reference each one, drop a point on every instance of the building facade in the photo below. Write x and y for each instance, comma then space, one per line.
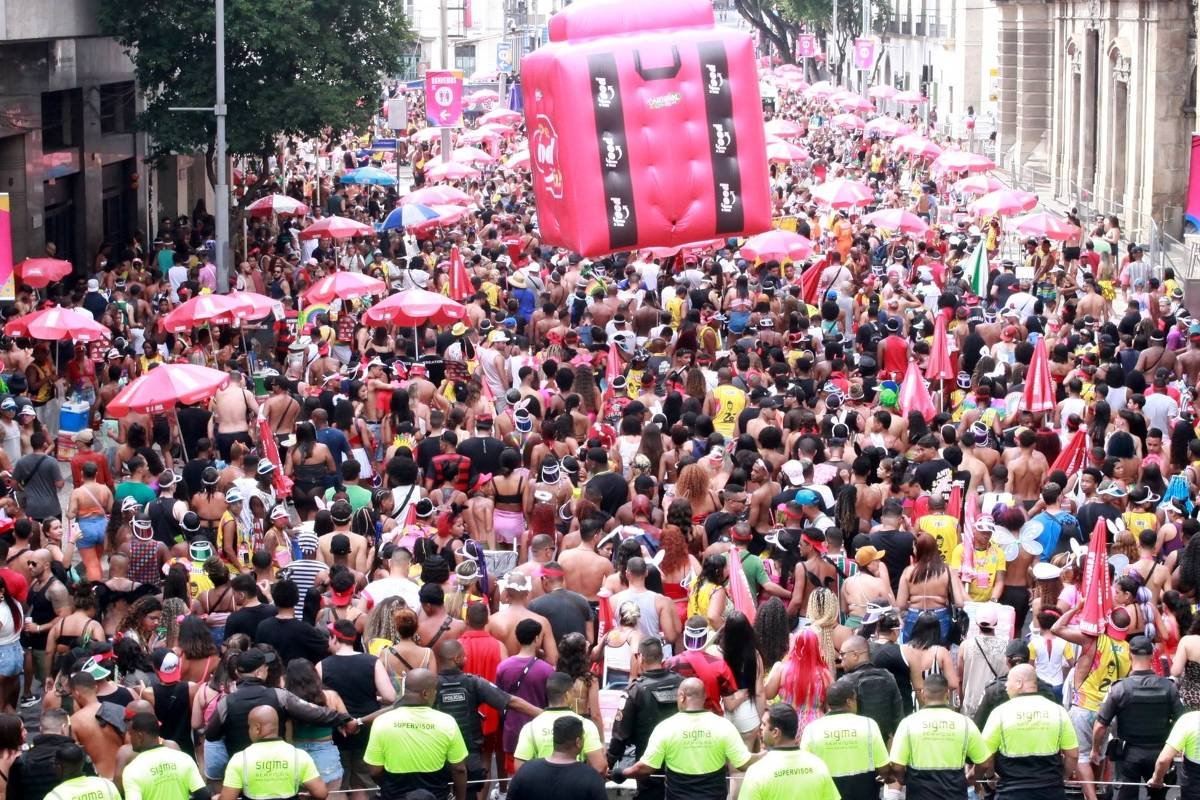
478, 37
69, 158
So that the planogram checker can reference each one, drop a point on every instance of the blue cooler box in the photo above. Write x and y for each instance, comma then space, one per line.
73, 416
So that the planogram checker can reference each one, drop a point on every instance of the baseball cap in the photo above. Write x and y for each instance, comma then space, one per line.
251, 660
84, 436
1141, 646
986, 617
8, 404
794, 471
806, 497
868, 554
168, 666
1018, 651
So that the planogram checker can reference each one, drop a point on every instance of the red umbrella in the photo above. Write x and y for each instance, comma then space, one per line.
613, 366
460, 282
1072, 458
1044, 225
203, 309
276, 204
344, 285
914, 394
282, 483
1039, 388
336, 228
939, 367
413, 307
58, 324
1097, 599
810, 282
41, 272
252, 305
164, 386
777, 245
955, 503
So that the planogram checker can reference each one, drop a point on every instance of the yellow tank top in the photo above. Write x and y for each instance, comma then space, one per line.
1111, 663
699, 599
730, 402
675, 308
1138, 521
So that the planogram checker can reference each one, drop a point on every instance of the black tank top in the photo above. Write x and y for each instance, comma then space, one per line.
162, 520
174, 712
41, 612
352, 677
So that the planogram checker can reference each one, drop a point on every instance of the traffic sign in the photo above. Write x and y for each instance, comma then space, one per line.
383, 145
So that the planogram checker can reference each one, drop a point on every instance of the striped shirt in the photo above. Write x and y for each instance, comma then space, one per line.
304, 572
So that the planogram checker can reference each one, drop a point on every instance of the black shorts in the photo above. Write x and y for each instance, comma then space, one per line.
476, 769
225, 442
1071, 253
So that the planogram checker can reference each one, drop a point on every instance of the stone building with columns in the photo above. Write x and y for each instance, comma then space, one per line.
1099, 95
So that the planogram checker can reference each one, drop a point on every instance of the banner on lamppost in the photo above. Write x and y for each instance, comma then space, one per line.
865, 50
806, 45
7, 283
504, 57
443, 98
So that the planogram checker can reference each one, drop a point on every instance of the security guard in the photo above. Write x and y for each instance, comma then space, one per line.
74, 784
786, 772
1033, 740
933, 745
536, 739
158, 772
693, 748
270, 767
648, 701
849, 744
1184, 740
1145, 707
415, 747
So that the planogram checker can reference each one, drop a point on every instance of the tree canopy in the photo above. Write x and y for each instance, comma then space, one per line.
292, 67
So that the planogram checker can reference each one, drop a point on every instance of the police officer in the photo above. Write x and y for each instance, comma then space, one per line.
786, 772
460, 694
693, 748
933, 745
1145, 707
270, 767
1184, 740
230, 721
73, 784
414, 747
1033, 740
850, 744
648, 701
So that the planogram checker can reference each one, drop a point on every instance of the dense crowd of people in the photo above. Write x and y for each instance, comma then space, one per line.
661, 518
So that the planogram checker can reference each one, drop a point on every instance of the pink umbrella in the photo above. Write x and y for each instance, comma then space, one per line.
842, 193
426, 135
958, 161
914, 394
1042, 224
882, 92
978, 184
451, 171
777, 245
437, 195
460, 283
849, 101
518, 160
448, 214
343, 285
693, 247
1005, 202
165, 385
847, 122
58, 324
336, 228
824, 88
472, 155
916, 145
495, 130
276, 204
785, 152
210, 309
1039, 387
1097, 599
413, 307
481, 97
252, 305
501, 116
939, 367
41, 272
783, 128
483, 135
887, 127
897, 219
911, 98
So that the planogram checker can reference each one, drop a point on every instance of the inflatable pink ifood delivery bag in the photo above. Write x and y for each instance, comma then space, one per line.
645, 128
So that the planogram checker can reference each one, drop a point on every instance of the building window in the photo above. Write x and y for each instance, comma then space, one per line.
60, 120
117, 107
464, 58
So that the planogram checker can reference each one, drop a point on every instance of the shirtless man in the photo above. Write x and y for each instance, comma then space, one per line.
100, 740
233, 409
1155, 356
281, 408
585, 568
1187, 363
769, 416
359, 557
1153, 573
1027, 470
972, 463
426, 392
869, 497
435, 625
866, 586
541, 552
1092, 303
760, 498
502, 626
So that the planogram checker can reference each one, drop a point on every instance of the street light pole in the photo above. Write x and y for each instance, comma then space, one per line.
222, 187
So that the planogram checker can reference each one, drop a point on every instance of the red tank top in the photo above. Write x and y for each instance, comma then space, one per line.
895, 355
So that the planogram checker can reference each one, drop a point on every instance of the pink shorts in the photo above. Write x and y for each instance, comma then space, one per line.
508, 525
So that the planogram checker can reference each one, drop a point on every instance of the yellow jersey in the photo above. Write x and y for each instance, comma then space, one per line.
944, 530
1109, 664
731, 401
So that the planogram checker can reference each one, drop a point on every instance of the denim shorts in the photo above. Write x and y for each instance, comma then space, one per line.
216, 757
12, 659
327, 758
91, 531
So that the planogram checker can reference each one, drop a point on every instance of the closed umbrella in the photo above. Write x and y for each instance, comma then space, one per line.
41, 272
843, 193
939, 367
777, 245
336, 228
914, 394
896, 219
276, 204
1073, 457
1039, 386
164, 386
1097, 597
344, 286
58, 324
460, 283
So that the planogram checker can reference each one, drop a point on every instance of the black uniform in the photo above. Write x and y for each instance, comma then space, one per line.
1145, 707
459, 694
649, 700
231, 720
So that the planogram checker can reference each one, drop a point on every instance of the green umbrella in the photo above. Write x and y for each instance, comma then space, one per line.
1101, 245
